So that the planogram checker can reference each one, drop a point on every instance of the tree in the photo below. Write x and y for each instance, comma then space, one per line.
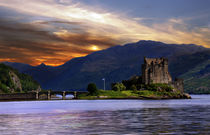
7, 84
92, 89
159, 87
118, 87
133, 87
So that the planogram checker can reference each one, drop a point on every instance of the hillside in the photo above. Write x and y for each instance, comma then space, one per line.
12, 81
194, 69
197, 80
115, 64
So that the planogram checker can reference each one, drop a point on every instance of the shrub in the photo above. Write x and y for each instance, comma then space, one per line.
26, 81
4, 88
159, 87
133, 87
92, 89
118, 87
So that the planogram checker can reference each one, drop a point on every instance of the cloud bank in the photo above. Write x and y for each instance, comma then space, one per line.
55, 31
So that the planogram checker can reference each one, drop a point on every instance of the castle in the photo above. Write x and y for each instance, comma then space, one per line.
155, 70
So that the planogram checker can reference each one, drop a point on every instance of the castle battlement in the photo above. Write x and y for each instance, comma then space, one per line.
150, 61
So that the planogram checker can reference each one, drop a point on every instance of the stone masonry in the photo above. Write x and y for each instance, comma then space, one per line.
155, 70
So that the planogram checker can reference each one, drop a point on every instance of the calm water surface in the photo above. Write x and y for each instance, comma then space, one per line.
105, 117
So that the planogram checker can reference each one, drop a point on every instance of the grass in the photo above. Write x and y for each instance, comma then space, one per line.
129, 94
110, 94
157, 94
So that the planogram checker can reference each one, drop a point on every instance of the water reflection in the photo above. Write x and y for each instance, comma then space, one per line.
166, 118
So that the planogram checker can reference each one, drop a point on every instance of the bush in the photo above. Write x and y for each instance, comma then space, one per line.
7, 83
28, 83
133, 87
159, 87
92, 89
118, 87
134, 80
4, 88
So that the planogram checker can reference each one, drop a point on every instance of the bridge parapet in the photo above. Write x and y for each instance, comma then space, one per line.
39, 95
62, 93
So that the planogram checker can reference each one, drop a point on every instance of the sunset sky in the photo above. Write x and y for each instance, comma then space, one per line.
55, 31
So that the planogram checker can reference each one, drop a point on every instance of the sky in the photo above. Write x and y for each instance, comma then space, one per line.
55, 31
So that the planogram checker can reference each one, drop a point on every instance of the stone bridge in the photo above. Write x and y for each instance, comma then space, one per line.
62, 93
38, 95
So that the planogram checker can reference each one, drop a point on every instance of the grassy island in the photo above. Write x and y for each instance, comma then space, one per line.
157, 91
129, 94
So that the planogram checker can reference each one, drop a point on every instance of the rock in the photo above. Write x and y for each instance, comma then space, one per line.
187, 96
16, 81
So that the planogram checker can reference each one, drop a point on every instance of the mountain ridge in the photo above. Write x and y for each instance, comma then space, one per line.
115, 64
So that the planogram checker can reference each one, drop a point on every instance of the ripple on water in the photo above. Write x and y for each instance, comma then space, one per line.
130, 117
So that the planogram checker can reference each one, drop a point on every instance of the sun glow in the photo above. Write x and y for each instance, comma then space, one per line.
95, 48
60, 30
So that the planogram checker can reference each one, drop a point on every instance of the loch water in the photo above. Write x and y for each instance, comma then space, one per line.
106, 117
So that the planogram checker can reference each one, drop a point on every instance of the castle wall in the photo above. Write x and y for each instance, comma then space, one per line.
155, 70
178, 84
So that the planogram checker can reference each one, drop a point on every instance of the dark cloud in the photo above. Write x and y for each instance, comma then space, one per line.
62, 22
87, 39
28, 43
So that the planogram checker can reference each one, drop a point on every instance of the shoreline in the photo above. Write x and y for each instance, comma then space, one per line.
136, 98
104, 95
129, 98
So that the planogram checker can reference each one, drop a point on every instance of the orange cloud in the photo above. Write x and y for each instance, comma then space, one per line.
66, 31
27, 43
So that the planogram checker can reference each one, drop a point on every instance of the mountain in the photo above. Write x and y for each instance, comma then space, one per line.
195, 70
115, 64
12, 81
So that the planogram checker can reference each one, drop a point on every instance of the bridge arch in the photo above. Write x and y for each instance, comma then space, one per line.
48, 94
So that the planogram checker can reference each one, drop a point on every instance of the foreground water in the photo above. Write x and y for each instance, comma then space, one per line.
98, 117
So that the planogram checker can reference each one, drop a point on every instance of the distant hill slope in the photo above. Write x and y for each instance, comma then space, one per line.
195, 70
115, 64
12, 81
198, 79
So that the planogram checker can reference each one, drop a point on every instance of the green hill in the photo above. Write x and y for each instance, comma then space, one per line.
197, 80
195, 70
12, 81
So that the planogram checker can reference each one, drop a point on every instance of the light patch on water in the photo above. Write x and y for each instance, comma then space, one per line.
113, 117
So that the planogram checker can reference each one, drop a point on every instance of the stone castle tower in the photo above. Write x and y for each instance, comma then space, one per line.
155, 70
